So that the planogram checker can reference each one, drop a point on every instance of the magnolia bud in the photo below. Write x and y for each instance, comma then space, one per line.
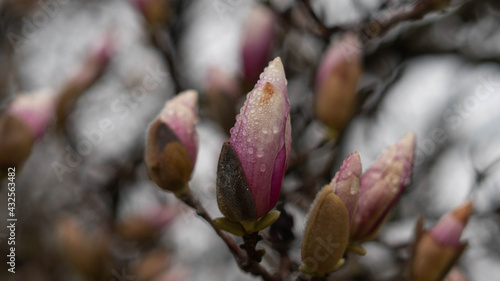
258, 36
145, 227
253, 162
172, 143
326, 234
336, 81
36, 110
86, 254
381, 186
346, 183
26, 120
151, 265
435, 252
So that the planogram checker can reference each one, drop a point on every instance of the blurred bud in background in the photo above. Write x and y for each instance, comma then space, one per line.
151, 265
381, 186
253, 162
435, 252
223, 93
455, 275
25, 120
87, 253
172, 143
326, 233
155, 12
336, 81
258, 35
99, 56
146, 227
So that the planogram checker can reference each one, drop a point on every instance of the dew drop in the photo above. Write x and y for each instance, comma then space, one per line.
262, 167
245, 119
353, 189
260, 154
275, 129
265, 131
250, 150
254, 160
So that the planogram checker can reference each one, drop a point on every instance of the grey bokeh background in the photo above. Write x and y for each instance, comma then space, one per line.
438, 77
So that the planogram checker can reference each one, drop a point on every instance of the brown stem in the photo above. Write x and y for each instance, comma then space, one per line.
191, 201
161, 40
245, 261
382, 23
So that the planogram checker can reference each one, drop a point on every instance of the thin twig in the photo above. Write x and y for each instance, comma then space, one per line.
161, 40
243, 260
382, 23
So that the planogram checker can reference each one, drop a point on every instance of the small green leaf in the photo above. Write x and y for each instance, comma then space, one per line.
229, 226
267, 220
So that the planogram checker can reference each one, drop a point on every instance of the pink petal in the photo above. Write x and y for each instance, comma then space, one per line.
346, 183
35, 109
180, 114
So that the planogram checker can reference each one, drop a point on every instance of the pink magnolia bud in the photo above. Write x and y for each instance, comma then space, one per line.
448, 229
24, 121
180, 114
252, 164
381, 186
336, 82
434, 253
172, 143
347, 183
36, 110
258, 33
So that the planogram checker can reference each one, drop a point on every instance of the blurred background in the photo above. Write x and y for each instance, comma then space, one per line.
102, 71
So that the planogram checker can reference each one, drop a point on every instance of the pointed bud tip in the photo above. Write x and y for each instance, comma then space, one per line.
35, 109
350, 167
408, 140
449, 228
463, 212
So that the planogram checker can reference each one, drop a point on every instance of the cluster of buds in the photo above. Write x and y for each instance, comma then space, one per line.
381, 186
172, 143
25, 120
326, 233
336, 81
352, 208
253, 162
436, 251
